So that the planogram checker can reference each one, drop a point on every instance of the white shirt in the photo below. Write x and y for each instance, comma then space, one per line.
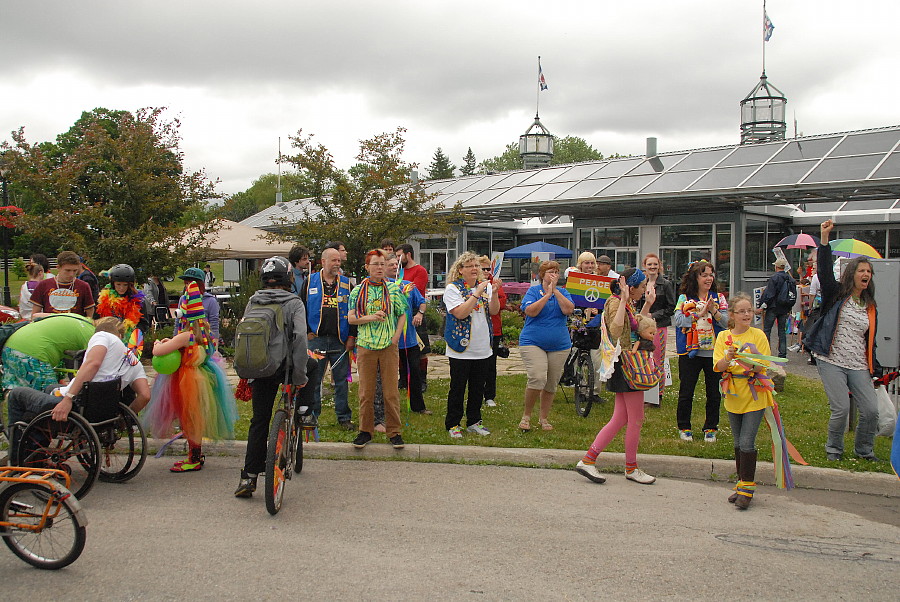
115, 364
480, 334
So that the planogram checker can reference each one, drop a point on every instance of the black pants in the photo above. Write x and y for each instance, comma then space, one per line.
465, 374
490, 377
264, 392
689, 369
412, 377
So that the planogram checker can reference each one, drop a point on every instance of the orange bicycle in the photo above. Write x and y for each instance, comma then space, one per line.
40, 520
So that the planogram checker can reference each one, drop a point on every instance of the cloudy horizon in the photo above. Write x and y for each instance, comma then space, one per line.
454, 74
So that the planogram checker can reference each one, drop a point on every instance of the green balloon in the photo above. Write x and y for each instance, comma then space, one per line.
168, 363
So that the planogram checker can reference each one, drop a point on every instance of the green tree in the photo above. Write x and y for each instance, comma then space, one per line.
570, 149
469, 164
113, 188
376, 200
261, 194
440, 168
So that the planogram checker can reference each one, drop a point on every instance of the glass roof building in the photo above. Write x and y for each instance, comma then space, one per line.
728, 204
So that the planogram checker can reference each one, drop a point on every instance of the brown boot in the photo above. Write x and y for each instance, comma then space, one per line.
737, 471
747, 485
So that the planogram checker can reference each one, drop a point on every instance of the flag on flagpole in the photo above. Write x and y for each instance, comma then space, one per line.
541, 81
768, 28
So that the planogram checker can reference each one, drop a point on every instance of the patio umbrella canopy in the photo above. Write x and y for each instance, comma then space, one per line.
799, 241
527, 251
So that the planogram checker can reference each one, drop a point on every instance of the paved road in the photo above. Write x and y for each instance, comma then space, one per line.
402, 530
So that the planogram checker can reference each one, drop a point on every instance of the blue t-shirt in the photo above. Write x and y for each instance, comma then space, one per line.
548, 329
414, 300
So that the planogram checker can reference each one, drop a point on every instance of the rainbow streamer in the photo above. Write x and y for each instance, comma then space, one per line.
782, 450
135, 346
895, 450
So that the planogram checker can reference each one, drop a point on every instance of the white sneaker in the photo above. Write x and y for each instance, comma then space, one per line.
686, 435
478, 428
794, 347
590, 471
639, 476
709, 436
456, 432
490, 403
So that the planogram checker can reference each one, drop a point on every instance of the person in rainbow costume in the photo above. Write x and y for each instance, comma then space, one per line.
197, 394
120, 299
741, 354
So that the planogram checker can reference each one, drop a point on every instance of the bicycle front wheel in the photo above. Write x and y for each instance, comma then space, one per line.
59, 543
584, 384
276, 461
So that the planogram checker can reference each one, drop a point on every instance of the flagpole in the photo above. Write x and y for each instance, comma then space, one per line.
764, 39
537, 107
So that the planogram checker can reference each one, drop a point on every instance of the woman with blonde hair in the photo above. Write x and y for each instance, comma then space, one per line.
471, 301
544, 343
35, 277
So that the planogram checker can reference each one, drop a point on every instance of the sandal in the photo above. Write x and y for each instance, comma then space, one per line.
525, 424
546, 426
187, 465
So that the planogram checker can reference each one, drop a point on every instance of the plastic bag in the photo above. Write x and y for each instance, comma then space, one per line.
887, 413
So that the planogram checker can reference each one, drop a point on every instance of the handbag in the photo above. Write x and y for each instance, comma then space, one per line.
640, 368
609, 353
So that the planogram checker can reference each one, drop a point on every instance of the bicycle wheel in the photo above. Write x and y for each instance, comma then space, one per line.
71, 446
61, 540
299, 433
123, 447
584, 383
276, 461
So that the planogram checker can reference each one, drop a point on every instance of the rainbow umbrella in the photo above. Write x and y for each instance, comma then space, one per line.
798, 241
850, 247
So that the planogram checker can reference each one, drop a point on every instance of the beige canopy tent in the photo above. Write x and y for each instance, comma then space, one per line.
236, 241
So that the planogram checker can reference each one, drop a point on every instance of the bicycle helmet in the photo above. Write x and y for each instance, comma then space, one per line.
121, 272
276, 271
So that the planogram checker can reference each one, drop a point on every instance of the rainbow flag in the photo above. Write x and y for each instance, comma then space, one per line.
588, 290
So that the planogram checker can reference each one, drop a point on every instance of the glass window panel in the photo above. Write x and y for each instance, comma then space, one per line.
890, 168
869, 142
548, 192
876, 238
624, 260
584, 238
859, 205
616, 168
893, 243
578, 172
435, 243
586, 189
656, 165
806, 149
627, 185
750, 154
610, 238
755, 248
479, 242
723, 177
673, 181
780, 173
544, 175
513, 179
699, 159
514, 195
846, 168
687, 235
723, 257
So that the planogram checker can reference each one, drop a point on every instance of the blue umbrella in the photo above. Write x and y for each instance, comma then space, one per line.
528, 251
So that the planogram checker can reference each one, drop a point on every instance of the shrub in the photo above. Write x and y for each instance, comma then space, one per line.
18, 268
439, 346
434, 318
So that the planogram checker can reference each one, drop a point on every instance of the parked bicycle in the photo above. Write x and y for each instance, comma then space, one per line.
40, 520
579, 368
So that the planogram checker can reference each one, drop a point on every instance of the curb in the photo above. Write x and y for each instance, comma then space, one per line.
678, 467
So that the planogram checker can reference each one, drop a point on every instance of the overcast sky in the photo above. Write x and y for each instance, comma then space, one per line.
456, 74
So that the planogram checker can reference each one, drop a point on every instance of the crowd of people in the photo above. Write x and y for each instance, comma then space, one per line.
379, 323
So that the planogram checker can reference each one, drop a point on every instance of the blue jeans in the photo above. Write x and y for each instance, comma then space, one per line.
744, 427
769, 321
339, 358
839, 383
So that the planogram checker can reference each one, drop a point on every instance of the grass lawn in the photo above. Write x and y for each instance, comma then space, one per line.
803, 407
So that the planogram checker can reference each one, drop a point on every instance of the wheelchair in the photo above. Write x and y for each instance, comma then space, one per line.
102, 438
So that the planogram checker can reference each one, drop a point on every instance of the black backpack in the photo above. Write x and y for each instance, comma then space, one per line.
787, 294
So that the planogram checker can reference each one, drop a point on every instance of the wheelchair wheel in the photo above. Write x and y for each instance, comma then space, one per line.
59, 543
123, 447
71, 446
584, 384
276, 461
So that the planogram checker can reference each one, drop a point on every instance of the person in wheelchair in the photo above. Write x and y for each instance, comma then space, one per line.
277, 279
105, 359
